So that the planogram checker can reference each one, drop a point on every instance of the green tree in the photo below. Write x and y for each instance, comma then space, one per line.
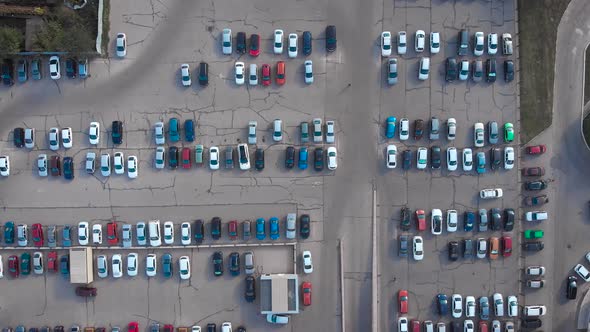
10, 40
64, 31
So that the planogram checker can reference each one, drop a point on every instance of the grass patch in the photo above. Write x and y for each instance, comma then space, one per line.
538, 20
105, 27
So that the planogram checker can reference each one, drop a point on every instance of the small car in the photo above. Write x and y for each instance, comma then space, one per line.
239, 73
434, 42
403, 246
307, 262
168, 232
419, 41
424, 68
216, 228
385, 43
280, 73
572, 288
167, 267
457, 305
307, 43
442, 304
117, 266
121, 45
508, 71
241, 42
259, 160
418, 129
260, 229
36, 69
5, 165
332, 158
306, 293
467, 159
452, 221
185, 233
66, 137
308, 65
217, 263
203, 74
151, 266
536, 149
536, 200
390, 126
132, 264
102, 266
289, 157
392, 71
132, 167
318, 159
303, 155
185, 74
277, 134
38, 263
508, 132
226, 42
278, 41
252, 132
184, 267
583, 272
254, 45
265, 75
331, 41
117, 132
54, 68
391, 156
83, 68
52, 261
96, 234
506, 246
13, 266
402, 299
199, 230
478, 43
464, 70
453, 251
25, 263
452, 159
304, 226
292, 45
234, 264
71, 68
253, 77
422, 158
450, 69
274, 228
186, 158
418, 248
536, 185
401, 42
29, 138
214, 158
477, 71
491, 193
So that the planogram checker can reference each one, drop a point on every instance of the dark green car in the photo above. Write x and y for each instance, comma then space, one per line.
533, 234
9, 232
167, 265
25, 263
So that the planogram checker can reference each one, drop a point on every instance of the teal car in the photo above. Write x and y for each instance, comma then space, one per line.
481, 162
173, 132
390, 127
274, 228
167, 265
260, 229
36, 69
25, 263
64, 265
9, 232
508, 132
302, 163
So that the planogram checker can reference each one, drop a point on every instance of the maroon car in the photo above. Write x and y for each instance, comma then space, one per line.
85, 291
13, 266
233, 230
533, 171
536, 149
38, 235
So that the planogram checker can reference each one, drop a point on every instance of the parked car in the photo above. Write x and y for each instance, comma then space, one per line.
571, 288
418, 248
217, 263
536, 149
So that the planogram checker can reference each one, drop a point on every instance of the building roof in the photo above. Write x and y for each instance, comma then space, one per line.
279, 294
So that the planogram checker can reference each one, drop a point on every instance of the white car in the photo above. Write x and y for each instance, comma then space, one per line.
132, 167
418, 248
436, 222
83, 233
243, 157
464, 70
4, 165
391, 159
121, 45
452, 159
30, 138
154, 233
184, 267
21, 235
54, 68
1, 268
422, 158
534, 310
53, 139
330, 132
291, 230
402, 42
159, 133
498, 301
457, 305
512, 306
252, 132
185, 73
278, 42
469, 306
332, 158
90, 162
226, 43
392, 71
160, 160
420, 40
468, 326
168, 232
583, 272
94, 133
491, 193
41, 165
452, 220
536, 215
38, 263
97, 234
119, 163
402, 324
140, 231
132, 264
467, 159
451, 129
508, 157
253, 77
117, 266
66, 137
424, 69
270, 318
214, 158
535, 270
434, 42
482, 248
307, 263
277, 134
292, 45
185, 233
239, 67
478, 135
151, 265
478, 43
385, 43
102, 267
317, 130
105, 164
492, 43
308, 72
404, 129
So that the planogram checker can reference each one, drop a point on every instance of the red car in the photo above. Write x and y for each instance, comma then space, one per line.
306, 291
421, 217
186, 158
133, 327
233, 230
168, 328
112, 237
533, 171
266, 75
254, 44
280, 77
13, 266
38, 235
52, 261
483, 326
536, 149
506, 246
402, 299
415, 325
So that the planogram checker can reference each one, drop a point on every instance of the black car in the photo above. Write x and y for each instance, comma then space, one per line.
199, 230
509, 219
418, 129
407, 162
234, 263
203, 74
58, 328
211, 327
216, 228
405, 219
306, 43
571, 290
8, 72
533, 246
71, 67
495, 158
250, 293
456, 326
331, 38
531, 323
19, 137
218, 263
259, 159
68, 168
318, 159
241, 43
435, 157
173, 157
453, 250
442, 303
290, 157
508, 70
496, 219
491, 70
403, 246
535, 185
304, 226
117, 132
451, 69
468, 248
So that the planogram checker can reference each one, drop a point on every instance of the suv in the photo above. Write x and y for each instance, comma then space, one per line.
117, 132
451, 69
331, 38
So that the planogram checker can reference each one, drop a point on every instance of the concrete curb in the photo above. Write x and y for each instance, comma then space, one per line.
582, 106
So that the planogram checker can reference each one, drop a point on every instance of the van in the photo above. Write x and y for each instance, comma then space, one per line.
249, 262
243, 156
203, 74
491, 70
463, 45
434, 128
154, 231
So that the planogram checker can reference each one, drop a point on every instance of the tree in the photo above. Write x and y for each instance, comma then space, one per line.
11, 40
64, 31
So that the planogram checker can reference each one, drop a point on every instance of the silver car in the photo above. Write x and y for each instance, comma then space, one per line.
249, 263
317, 130
127, 236
160, 160
226, 42
252, 132
42, 164
159, 133
291, 225
330, 132
308, 72
51, 239
141, 233
90, 162
392, 71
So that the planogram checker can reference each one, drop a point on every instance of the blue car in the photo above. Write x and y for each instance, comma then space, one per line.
468, 221
302, 163
443, 306
274, 228
390, 127
481, 163
173, 130
67, 236
260, 229
189, 130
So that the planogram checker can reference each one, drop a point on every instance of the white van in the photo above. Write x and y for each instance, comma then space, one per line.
154, 231
424, 69
243, 156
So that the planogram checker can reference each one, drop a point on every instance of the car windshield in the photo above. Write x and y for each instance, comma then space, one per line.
186, 78
423, 70
120, 48
278, 44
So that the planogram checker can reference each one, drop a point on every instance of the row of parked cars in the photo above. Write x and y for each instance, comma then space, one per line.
256, 77
414, 325
132, 327
480, 248
498, 220
189, 232
74, 68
